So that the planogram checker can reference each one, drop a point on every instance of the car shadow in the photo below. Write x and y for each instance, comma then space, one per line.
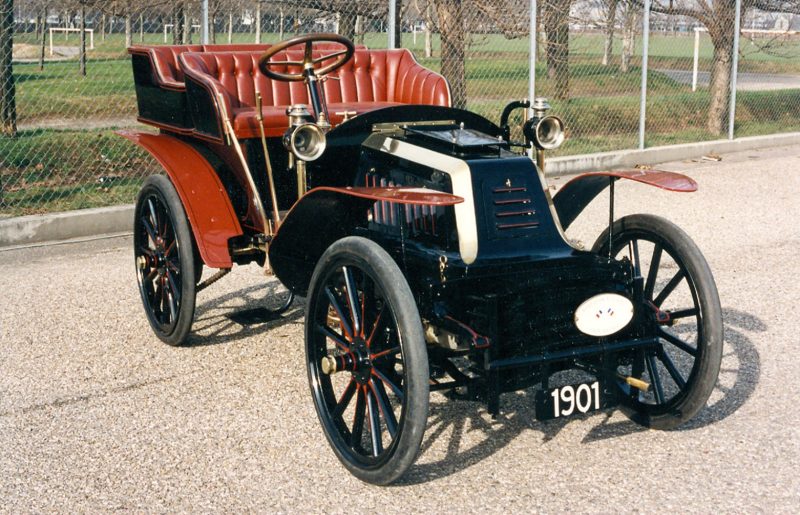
451, 424
217, 322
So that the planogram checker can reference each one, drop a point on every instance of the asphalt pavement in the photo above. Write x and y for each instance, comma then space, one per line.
745, 81
97, 415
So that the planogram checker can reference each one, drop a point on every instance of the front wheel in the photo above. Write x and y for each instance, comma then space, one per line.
367, 361
677, 293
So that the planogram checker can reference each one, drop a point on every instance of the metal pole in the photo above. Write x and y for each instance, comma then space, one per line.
696, 62
532, 64
532, 54
734, 69
645, 50
204, 28
392, 22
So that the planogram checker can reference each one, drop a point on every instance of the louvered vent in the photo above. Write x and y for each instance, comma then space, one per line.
512, 212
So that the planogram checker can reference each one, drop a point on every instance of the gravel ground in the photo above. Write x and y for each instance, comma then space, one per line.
97, 415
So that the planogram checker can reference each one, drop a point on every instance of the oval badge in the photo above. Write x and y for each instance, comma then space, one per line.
603, 314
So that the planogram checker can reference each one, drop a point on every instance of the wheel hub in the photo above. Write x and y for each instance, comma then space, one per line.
363, 368
357, 361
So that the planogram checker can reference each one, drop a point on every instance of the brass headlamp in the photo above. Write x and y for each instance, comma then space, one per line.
304, 138
546, 132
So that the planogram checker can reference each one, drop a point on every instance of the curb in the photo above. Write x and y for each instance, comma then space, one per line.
55, 227
29, 230
650, 156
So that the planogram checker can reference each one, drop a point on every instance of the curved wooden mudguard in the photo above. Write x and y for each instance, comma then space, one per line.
576, 194
211, 215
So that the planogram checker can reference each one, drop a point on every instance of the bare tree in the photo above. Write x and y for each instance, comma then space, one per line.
556, 25
451, 32
718, 16
611, 20
82, 47
630, 25
554, 16
43, 24
8, 104
178, 30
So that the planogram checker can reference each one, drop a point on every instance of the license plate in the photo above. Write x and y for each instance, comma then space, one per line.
573, 399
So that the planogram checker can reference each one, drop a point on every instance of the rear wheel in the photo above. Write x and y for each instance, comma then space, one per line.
165, 260
367, 361
677, 293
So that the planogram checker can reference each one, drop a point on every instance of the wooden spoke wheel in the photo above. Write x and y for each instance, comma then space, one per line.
165, 260
367, 360
679, 301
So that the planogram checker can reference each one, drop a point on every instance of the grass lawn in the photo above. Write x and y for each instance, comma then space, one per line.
81, 166
60, 170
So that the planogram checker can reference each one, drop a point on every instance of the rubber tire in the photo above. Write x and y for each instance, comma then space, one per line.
377, 262
704, 377
162, 187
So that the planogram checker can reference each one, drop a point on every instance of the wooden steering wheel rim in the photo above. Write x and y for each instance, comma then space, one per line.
308, 40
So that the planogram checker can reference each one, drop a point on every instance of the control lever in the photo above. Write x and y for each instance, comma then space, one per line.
346, 114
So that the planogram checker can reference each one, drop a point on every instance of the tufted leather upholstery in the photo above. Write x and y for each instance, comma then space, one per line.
164, 58
371, 79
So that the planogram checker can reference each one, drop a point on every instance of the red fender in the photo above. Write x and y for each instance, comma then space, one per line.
211, 215
576, 194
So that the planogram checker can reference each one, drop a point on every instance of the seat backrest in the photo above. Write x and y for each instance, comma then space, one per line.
165, 61
370, 76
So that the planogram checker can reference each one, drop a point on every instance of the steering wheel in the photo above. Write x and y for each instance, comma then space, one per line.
308, 61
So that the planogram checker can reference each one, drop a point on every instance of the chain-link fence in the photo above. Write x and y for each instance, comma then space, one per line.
72, 81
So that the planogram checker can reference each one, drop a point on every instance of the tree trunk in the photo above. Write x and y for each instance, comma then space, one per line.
610, 21
212, 27
42, 42
359, 29
557, 52
102, 27
347, 24
281, 21
720, 82
177, 23
82, 47
8, 104
398, 24
428, 31
451, 30
187, 27
258, 22
230, 28
628, 39
141, 27
128, 30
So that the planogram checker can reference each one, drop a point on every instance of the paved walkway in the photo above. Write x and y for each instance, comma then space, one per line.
744, 82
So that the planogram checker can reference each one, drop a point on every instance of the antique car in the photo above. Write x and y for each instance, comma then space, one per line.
424, 239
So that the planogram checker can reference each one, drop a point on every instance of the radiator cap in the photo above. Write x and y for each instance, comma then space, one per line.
603, 314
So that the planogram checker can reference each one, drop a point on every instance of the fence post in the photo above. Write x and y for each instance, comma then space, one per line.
392, 22
696, 61
645, 50
204, 15
734, 69
532, 54
532, 72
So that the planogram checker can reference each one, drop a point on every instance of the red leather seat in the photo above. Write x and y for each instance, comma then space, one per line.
164, 61
370, 80
164, 58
